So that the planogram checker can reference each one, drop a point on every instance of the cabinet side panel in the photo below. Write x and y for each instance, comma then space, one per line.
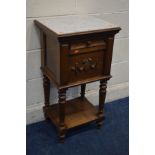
64, 63
108, 56
53, 56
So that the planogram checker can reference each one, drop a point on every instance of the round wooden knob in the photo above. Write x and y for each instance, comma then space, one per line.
88, 43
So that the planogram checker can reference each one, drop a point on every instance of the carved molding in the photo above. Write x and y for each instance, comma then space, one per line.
84, 65
46, 85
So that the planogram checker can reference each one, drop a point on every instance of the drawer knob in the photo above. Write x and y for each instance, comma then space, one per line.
76, 51
89, 43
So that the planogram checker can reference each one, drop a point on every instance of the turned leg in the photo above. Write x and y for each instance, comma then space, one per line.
62, 104
102, 95
46, 85
83, 87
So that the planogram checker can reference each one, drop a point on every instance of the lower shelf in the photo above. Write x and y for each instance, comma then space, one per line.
78, 112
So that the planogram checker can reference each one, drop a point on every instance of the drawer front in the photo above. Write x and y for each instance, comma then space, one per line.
87, 46
84, 66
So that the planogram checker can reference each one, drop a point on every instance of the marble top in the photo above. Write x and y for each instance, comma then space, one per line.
75, 24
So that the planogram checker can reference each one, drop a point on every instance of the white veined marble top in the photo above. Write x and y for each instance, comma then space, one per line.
74, 24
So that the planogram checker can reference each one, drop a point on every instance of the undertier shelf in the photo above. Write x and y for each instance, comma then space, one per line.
78, 112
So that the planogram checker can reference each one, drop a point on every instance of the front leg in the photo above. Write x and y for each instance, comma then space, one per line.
62, 104
102, 95
83, 88
46, 85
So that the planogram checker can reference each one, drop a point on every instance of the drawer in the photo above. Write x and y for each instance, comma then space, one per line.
87, 46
